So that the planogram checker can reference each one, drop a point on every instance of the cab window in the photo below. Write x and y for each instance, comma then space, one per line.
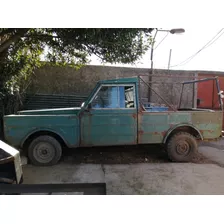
114, 97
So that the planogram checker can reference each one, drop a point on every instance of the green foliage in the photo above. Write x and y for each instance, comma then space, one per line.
22, 50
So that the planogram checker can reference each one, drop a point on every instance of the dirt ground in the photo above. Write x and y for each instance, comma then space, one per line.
123, 155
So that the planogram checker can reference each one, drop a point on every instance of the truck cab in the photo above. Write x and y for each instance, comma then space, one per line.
113, 114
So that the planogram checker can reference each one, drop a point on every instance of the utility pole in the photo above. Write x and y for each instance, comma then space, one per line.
169, 59
151, 59
172, 31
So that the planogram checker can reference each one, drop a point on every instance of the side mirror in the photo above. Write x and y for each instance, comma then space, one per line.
83, 104
88, 107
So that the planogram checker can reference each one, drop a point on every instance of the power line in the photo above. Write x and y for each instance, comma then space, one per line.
204, 47
162, 40
209, 43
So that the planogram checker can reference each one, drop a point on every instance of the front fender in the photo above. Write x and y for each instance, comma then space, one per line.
179, 126
43, 130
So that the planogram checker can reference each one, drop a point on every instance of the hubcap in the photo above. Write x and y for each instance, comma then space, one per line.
183, 148
44, 152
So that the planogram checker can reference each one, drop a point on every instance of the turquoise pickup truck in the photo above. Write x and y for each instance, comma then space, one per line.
112, 115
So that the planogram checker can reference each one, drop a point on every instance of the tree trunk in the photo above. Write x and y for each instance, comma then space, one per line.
6, 44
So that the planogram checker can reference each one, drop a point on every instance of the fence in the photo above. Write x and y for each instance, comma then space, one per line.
47, 101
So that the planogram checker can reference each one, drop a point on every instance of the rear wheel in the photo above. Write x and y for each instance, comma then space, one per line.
181, 147
44, 151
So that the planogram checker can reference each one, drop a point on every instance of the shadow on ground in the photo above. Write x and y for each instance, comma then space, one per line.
122, 155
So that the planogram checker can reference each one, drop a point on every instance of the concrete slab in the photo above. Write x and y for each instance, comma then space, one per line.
214, 154
24, 160
215, 144
63, 173
162, 178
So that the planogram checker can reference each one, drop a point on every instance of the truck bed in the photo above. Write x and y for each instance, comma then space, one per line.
154, 126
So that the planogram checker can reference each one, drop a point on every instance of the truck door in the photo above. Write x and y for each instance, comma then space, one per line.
112, 117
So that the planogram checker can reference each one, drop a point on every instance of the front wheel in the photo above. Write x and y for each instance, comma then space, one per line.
44, 151
181, 147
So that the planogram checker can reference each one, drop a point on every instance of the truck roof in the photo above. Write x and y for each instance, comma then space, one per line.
120, 80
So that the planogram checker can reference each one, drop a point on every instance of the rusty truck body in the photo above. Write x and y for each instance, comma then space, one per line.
112, 115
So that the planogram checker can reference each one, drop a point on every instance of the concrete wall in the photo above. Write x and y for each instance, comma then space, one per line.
67, 80
168, 85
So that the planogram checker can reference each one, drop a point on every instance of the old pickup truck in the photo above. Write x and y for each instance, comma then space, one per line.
113, 114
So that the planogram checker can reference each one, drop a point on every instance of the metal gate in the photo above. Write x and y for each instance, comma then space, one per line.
207, 95
47, 101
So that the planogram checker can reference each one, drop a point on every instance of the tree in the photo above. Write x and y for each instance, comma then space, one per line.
21, 50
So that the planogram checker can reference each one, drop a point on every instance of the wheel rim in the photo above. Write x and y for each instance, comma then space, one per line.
44, 152
183, 148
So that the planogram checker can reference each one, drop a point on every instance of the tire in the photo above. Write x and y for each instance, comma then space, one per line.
44, 151
181, 147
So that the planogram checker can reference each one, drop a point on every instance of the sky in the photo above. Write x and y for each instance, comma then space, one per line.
183, 46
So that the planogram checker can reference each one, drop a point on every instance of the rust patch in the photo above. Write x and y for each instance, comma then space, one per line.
156, 133
209, 131
140, 132
134, 116
163, 133
210, 140
140, 112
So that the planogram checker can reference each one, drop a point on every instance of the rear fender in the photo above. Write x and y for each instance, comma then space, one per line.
182, 127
